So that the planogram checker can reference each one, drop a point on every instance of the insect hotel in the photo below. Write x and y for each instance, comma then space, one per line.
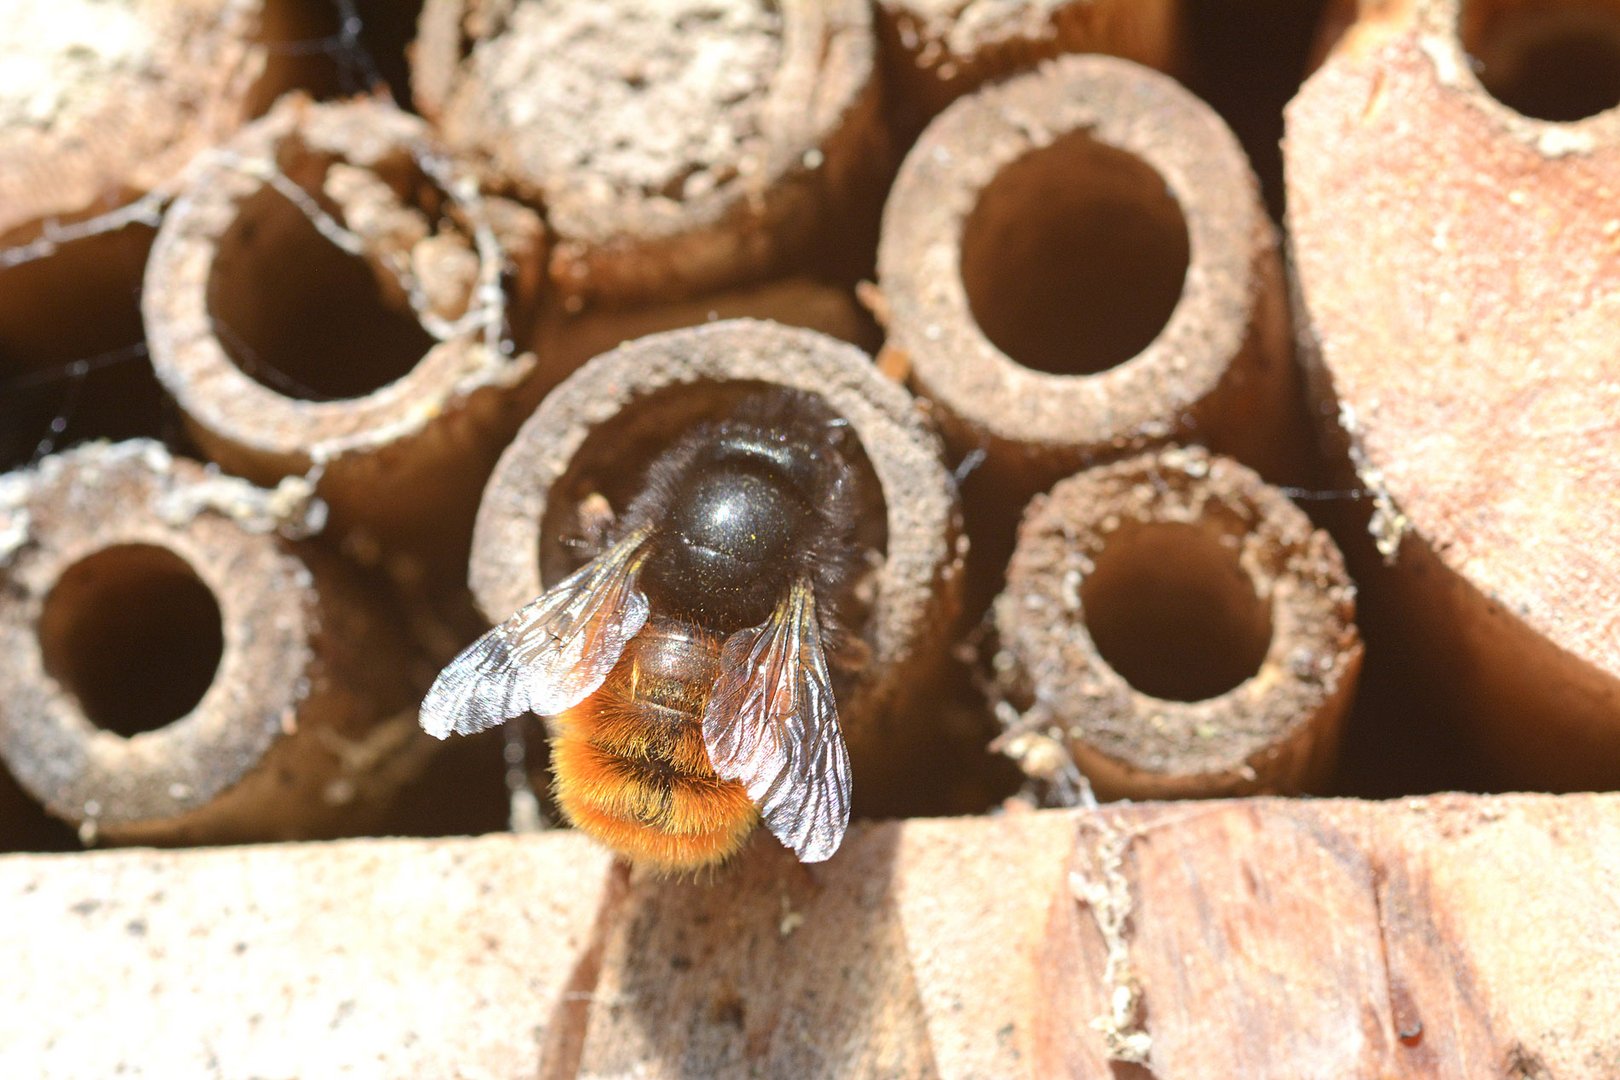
799, 538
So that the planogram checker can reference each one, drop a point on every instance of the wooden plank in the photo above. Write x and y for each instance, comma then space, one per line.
1441, 936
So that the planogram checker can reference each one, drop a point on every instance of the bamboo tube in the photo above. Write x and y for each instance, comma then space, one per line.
175, 672
1075, 263
591, 437
1177, 628
1461, 299
104, 102
677, 146
568, 340
364, 349
937, 50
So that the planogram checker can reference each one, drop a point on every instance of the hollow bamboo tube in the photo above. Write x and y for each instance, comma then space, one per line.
377, 368
676, 146
937, 50
596, 431
176, 672
1461, 296
1075, 263
1176, 627
104, 102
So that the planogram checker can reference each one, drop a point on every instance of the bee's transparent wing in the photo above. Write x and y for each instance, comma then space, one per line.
548, 657
772, 725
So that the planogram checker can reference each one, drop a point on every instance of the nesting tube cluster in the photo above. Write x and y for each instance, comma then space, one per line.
676, 146
178, 672
1076, 263
1175, 627
328, 297
582, 445
1451, 200
355, 309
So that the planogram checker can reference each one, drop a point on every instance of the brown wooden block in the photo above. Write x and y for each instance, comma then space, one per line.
1444, 936
1459, 281
381, 958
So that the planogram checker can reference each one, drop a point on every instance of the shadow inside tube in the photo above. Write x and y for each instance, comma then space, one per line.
1550, 61
73, 363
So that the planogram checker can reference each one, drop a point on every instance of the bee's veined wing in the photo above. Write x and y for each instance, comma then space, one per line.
548, 657
772, 725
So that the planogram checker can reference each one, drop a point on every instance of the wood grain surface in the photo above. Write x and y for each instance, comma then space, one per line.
1444, 936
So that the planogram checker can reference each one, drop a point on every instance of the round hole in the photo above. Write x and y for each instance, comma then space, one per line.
1171, 610
1549, 60
1074, 258
134, 634
303, 317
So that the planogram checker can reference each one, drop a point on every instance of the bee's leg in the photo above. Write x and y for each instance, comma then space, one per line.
594, 519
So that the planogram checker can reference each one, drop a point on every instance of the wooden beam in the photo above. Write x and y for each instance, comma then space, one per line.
1442, 936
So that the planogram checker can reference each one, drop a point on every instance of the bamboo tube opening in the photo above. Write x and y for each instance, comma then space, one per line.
582, 446
1170, 608
332, 294
1074, 258
134, 634
1175, 627
177, 672
1075, 263
1555, 60
302, 317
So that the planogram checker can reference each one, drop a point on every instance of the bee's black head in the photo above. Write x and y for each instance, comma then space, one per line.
741, 508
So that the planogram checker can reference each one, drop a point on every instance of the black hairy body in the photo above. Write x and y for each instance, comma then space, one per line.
684, 666
741, 507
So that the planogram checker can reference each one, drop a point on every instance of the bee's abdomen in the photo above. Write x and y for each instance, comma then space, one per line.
629, 760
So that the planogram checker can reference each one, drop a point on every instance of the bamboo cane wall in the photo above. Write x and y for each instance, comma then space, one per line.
1237, 379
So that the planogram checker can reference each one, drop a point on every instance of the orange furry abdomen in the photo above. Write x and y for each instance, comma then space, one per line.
630, 765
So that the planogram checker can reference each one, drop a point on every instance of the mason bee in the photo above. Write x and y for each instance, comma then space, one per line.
684, 669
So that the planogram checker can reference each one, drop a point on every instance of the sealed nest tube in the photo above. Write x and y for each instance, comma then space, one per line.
674, 145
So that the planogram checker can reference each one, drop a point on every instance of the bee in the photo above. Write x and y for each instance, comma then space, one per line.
684, 669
